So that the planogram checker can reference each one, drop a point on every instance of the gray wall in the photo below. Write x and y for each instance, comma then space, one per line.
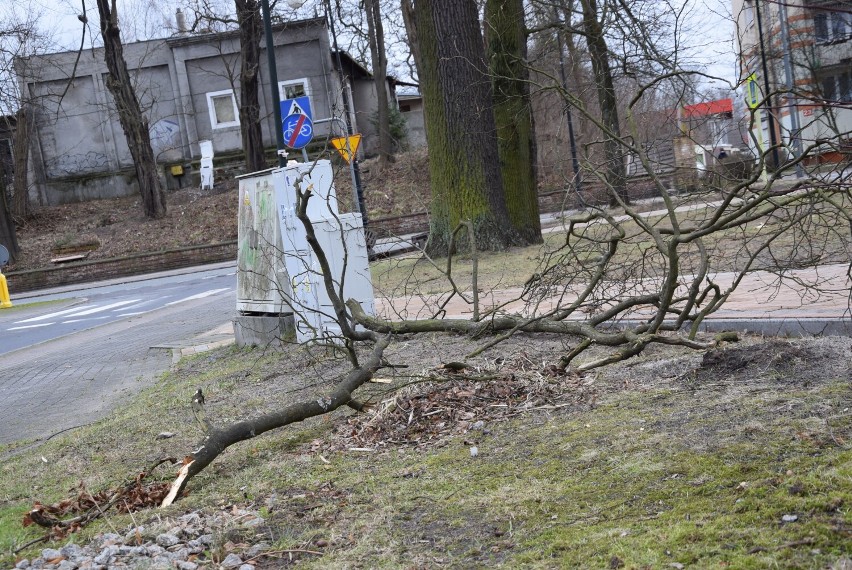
79, 151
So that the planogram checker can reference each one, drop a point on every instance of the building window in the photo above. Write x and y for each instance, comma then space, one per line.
294, 88
748, 13
222, 106
837, 88
832, 25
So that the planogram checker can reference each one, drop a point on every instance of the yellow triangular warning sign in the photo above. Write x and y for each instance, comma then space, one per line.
340, 143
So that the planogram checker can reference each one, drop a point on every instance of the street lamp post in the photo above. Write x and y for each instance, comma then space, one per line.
273, 83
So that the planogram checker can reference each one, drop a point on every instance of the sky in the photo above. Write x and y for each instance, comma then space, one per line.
708, 27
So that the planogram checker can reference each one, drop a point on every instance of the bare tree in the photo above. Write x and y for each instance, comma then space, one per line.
248, 16
133, 122
376, 34
506, 45
458, 99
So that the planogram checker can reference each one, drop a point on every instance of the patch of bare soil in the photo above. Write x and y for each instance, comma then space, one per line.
102, 229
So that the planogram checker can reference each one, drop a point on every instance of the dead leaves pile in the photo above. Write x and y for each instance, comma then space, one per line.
455, 398
72, 514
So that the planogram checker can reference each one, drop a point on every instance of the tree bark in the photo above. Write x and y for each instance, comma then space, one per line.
248, 18
599, 55
461, 133
8, 237
376, 35
408, 18
20, 189
133, 122
506, 46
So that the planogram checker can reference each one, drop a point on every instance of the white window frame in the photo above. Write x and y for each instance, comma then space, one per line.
211, 108
303, 81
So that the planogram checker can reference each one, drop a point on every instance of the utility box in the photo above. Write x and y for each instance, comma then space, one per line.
263, 287
341, 238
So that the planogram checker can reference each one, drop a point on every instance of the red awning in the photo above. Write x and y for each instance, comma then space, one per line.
719, 107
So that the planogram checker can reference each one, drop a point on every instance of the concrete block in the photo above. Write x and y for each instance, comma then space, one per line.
263, 330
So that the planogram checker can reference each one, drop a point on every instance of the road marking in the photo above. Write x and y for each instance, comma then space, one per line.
68, 322
51, 315
104, 308
198, 296
132, 313
29, 326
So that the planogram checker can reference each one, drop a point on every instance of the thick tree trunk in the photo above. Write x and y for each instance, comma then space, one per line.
8, 237
248, 16
599, 55
461, 134
376, 34
507, 52
20, 189
133, 122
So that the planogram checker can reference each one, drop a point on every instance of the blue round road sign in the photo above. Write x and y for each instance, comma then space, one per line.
298, 130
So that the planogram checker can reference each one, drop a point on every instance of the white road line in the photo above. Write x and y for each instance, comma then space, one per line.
131, 314
146, 302
104, 308
29, 326
52, 315
68, 322
198, 296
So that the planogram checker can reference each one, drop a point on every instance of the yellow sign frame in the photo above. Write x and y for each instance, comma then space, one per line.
347, 146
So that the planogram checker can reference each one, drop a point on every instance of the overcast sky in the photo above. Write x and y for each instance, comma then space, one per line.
710, 28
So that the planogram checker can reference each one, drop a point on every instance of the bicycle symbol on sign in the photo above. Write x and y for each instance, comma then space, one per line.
305, 131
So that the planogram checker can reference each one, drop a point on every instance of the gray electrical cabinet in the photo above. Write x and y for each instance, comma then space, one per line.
277, 272
341, 238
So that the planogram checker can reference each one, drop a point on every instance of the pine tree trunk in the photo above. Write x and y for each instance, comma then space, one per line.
248, 16
463, 163
599, 55
506, 45
376, 34
133, 122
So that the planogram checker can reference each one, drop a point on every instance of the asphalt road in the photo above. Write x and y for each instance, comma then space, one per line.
99, 347
91, 305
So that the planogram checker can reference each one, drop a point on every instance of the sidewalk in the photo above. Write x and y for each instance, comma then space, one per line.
759, 304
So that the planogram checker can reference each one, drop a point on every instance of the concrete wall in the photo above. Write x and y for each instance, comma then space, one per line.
79, 151
411, 109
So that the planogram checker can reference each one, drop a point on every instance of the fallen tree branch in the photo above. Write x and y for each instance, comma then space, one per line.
223, 437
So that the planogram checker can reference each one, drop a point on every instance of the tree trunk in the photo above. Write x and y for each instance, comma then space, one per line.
248, 17
20, 190
133, 122
599, 55
376, 34
506, 45
465, 171
7, 224
408, 18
